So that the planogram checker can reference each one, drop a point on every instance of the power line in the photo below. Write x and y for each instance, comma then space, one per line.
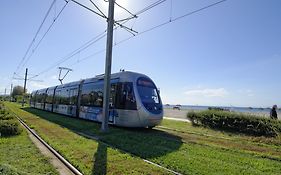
173, 20
98, 8
75, 52
152, 28
82, 5
120, 25
33, 40
97, 38
125, 9
150, 7
143, 10
49, 28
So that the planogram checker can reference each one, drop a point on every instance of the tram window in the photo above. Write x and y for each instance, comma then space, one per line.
92, 95
40, 97
32, 99
147, 91
64, 97
49, 96
35, 97
125, 97
73, 96
57, 96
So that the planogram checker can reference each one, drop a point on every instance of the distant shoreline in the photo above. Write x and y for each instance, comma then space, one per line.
176, 113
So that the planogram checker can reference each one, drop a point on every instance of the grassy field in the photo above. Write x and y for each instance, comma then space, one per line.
18, 155
89, 156
174, 145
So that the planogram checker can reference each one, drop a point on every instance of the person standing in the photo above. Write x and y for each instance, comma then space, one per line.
273, 113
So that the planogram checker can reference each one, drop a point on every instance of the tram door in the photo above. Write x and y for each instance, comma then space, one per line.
112, 100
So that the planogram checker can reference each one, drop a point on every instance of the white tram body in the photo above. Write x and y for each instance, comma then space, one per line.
134, 100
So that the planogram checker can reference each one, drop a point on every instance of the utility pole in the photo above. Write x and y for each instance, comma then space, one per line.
11, 92
110, 23
24, 87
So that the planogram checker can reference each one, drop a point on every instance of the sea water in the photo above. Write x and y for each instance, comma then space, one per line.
248, 110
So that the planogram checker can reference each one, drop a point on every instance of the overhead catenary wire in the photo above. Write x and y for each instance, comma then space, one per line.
152, 28
173, 20
49, 28
100, 36
150, 6
97, 8
75, 52
135, 15
125, 9
84, 6
36, 34
94, 40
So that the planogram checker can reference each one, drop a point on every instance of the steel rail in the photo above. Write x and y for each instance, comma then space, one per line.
71, 167
60, 157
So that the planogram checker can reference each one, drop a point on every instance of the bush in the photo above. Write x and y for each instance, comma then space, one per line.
236, 122
8, 123
4, 115
9, 127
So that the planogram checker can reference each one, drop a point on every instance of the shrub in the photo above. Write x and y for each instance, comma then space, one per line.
9, 127
4, 115
8, 123
236, 122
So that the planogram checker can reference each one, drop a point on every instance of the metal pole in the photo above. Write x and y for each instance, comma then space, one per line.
24, 87
11, 92
110, 23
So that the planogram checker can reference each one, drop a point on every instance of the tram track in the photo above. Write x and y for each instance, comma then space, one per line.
124, 151
163, 128
57, 160
70, 167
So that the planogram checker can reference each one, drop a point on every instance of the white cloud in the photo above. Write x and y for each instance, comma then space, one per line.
220, 92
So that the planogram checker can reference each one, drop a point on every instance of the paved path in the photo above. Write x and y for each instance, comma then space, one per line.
174, 114
177, 119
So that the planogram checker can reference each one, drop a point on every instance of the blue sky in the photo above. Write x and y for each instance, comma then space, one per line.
227, 55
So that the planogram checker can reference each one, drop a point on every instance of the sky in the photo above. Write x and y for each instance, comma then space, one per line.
225, 55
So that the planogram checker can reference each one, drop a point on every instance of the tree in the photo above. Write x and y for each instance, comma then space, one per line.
17, 90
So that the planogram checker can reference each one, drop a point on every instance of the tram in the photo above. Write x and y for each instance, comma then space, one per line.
134, 100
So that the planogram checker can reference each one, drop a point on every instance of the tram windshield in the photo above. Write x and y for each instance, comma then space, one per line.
147, 91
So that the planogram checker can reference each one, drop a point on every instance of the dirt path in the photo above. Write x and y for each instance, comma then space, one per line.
60, 167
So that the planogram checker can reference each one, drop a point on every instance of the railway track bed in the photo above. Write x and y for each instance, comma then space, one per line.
57, 160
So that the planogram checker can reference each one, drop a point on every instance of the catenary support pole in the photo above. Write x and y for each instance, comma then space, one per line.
24, 87
110, 23
11, 92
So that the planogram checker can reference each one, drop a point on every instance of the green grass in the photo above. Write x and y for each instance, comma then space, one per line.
89, 156
18, 155
182, 147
